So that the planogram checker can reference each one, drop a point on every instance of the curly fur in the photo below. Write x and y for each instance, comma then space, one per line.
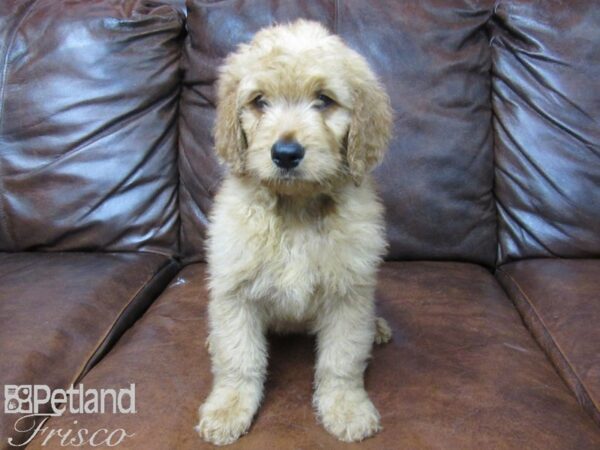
296, 251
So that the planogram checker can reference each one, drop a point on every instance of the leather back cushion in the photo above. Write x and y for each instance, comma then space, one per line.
434, 59
546, 99
88, 146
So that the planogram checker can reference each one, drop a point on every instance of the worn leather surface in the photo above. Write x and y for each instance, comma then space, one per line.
60, 312
559, 300
88, 103
546, 67
434, 59
462, 372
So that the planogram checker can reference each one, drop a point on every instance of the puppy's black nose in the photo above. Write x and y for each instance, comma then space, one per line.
287, 154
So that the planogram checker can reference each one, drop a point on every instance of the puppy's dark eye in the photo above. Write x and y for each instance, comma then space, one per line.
259, 102
323, 102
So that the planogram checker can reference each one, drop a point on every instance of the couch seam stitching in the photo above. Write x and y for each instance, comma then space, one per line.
80, 372
546, 330
487, 26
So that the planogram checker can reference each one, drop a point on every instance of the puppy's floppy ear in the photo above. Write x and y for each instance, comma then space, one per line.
371, 124
230, 141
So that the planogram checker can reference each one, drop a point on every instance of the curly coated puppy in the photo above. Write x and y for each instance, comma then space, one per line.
297, 230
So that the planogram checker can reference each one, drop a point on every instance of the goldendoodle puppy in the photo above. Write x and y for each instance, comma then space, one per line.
297, 230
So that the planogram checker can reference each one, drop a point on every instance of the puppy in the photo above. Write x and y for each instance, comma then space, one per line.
297, 230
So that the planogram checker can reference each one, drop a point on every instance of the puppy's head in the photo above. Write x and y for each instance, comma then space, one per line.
297, 109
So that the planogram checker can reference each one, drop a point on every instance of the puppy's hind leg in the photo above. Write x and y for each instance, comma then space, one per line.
238, 350
383, 332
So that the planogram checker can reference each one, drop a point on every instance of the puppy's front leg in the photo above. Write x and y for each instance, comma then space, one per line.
345, 336
239, 357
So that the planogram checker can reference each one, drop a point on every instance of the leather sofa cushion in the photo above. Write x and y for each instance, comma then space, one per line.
60, 312
559, 301
546, 67
434, 59
88, 139
462, 372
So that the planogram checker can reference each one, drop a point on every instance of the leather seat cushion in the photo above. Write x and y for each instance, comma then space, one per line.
60, 312
559, 301
462, 372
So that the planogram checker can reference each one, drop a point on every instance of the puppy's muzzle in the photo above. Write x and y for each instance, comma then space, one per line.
287, 154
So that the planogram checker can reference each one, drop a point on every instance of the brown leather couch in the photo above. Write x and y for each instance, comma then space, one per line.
493, 212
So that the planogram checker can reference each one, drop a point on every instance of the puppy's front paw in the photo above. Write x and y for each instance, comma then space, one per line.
225, 416
348, 414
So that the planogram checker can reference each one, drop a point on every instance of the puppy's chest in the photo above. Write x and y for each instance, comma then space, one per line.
294, 265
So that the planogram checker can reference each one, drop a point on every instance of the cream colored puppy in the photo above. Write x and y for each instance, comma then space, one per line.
297, 230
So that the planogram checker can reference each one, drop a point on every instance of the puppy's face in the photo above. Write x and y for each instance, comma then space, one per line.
295, 118
299, 111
